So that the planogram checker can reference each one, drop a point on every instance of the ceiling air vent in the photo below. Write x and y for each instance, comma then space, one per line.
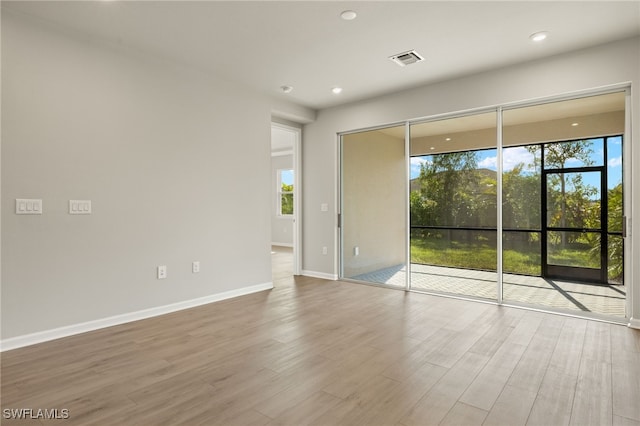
406, 58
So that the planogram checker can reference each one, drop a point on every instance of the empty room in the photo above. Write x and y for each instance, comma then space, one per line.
320, 213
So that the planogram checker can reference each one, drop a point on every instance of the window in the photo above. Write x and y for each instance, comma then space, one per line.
285, 192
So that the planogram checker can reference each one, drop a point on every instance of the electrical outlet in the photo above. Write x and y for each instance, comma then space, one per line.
162, 272
195, 267
356, 251
324, 250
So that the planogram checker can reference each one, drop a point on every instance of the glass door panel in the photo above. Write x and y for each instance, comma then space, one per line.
575, 241
453, 209
574, 199
373, 207
562, 205
615, 219
574, 249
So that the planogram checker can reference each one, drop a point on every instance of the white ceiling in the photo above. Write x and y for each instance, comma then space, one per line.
267, 44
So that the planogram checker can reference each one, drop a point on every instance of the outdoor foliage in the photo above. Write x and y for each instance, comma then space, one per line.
520, 193
616, 248
286, 199
452, 192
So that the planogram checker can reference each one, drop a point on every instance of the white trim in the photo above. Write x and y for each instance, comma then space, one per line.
282, 244
70, 330
634, 323
322, 275
338, 246
499, 211
629, 169
407, 205
297, 202
338, 204
281, 153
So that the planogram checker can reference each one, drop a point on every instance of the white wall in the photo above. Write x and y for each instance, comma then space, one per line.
605, 65
162, 153
281, 226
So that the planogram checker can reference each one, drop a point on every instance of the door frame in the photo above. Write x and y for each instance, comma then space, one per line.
632, 296
572, 272
297, 193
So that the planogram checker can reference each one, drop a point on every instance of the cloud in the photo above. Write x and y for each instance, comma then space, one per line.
615, 162
418, 161
416, 164
511, 157
488, 163
616, 141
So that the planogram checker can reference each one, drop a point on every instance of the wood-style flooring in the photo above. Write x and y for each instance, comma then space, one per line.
316, 352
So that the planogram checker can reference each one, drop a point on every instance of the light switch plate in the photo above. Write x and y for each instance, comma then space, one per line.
28, 206
79, 206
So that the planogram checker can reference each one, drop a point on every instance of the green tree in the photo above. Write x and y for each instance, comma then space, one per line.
556, 156
443, 197
520, 196
615, 208
286, 199
616, 244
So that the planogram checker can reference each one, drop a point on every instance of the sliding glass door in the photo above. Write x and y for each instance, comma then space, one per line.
452, 201
529, 213
373, 206
563, 203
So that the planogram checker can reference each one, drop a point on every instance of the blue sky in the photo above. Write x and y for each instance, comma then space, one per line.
286, 177
516, 155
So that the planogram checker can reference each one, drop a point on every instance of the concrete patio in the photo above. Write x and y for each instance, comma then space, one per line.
600, 299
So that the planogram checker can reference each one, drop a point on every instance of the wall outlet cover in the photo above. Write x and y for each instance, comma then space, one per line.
162, 272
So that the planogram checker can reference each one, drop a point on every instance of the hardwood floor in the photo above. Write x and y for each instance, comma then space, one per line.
315, 352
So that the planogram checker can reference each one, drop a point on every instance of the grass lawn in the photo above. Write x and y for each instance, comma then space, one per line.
473, 255
518, 258
574, 257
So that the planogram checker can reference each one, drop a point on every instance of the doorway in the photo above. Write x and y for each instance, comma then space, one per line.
286, 215
574, 246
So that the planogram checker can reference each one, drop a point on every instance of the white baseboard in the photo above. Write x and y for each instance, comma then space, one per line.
634, 323
282, 244
70, 330
323, 275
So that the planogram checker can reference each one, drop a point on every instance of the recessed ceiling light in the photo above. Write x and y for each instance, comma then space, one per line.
432, 148
574, 124
336, 90
447, 139
286, 89
349, 15
539, 36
